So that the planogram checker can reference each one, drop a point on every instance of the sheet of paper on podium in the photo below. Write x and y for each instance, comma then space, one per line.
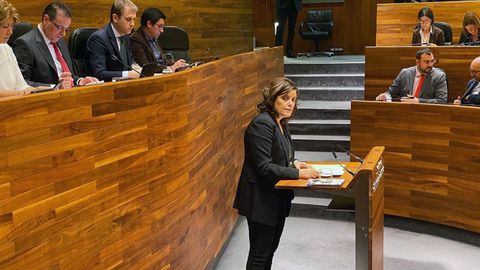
336, 169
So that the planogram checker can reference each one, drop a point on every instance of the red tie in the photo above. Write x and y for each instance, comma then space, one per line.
60, 58
419, 86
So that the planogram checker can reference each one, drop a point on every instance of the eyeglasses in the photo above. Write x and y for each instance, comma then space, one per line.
424, 21
60, 27
432, 61
473, 72
160, 26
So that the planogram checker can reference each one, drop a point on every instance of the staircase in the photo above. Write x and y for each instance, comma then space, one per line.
322, 121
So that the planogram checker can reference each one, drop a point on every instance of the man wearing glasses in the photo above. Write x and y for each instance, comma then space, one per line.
472, 95
421, 83
108, 52
144, 45
42, 54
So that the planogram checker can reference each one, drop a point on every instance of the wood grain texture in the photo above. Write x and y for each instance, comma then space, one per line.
382, 65
128, 175
395, 22
431, 159
225, 27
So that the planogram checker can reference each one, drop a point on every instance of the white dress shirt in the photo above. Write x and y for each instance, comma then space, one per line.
12, 78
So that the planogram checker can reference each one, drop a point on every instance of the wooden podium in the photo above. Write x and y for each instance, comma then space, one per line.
366, 187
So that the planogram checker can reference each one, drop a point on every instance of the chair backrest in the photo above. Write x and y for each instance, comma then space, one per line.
19, 29
175, 40
77, 44
447, 31
318, 24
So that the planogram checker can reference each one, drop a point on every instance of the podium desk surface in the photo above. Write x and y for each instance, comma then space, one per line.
302, 183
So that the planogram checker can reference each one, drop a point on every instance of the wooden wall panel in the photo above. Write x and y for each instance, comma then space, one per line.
395, 22
224, 27
382, 65
137, 174
354, 25
431, 159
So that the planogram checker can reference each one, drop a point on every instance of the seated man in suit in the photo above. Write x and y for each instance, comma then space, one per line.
472, 94
42, 55
144, 45
108, 54
421, 83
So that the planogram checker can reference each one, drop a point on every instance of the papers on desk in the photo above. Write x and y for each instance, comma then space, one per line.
334, 169
325, 182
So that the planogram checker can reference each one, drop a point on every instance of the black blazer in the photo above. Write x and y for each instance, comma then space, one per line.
467, 98
284, 4
35, 60
266, 162
101, 50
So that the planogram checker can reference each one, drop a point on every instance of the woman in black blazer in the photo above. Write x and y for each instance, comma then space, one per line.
269, 157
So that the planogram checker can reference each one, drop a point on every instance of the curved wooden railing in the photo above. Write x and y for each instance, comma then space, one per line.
133, 175
432, 159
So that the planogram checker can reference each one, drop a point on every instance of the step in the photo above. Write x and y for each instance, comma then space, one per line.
325, 68
324, 143
317, 127
334, 93
341, 79
310, 109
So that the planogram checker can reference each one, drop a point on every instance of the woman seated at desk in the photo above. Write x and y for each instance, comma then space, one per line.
427, 33
470, 34
12, 82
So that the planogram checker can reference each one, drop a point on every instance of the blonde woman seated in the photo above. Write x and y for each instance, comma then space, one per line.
12, 82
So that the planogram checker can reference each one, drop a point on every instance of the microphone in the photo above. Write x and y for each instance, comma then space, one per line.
343, 166
115, 58
348, 153
215, 56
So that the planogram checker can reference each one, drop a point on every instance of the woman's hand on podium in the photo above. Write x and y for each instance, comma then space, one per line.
308, 173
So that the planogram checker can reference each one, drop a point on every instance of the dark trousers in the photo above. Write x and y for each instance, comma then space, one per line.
284, 14
264, 240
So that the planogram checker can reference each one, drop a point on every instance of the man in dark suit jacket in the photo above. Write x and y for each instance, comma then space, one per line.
108, 52
42, 54
144, 45
472, 94
421, 83
287, 10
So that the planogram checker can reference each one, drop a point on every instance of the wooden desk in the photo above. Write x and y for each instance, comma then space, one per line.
382, 65
131, 175
432, 159
367, 189
395, 22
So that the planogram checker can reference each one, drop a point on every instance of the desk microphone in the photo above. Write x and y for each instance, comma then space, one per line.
341, 165
115, 58
214, 57
348, 153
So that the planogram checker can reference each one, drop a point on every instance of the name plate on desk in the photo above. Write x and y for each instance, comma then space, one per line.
325, 182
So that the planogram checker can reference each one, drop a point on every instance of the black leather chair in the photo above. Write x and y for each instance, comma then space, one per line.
174, 40
19, 29
447, 31
77, 44
317, 26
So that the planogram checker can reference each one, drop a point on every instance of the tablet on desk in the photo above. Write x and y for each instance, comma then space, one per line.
55, 87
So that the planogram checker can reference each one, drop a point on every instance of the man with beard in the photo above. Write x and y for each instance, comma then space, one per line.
421, 83
472, 95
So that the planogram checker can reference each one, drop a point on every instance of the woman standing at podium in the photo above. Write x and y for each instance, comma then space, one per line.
269, 157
